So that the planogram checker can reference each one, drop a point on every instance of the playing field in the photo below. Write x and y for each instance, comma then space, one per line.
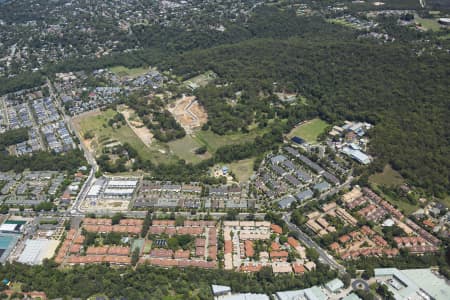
309, 130
122, 71
243, 169
104, 135
185, 149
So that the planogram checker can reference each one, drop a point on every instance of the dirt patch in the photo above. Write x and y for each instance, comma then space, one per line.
138, 127
189, 113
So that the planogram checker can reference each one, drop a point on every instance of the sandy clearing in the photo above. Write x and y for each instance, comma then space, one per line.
138, 127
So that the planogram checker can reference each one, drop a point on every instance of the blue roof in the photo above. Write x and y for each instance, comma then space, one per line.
298, 140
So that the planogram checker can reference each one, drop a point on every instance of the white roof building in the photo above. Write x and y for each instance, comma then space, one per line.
36, 251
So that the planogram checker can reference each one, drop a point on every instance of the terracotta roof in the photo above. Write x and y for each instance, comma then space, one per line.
334, 246
249, 251
79, 239
277, 229
158, 252
124, 251
75, 248
276, 254
182, 254
275, 246
228, 247
97, 250
344, 239
293, 242
298, 268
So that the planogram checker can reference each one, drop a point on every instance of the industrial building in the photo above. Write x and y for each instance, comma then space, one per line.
7, 244
36, 251
414, 283
357, 155
113, 188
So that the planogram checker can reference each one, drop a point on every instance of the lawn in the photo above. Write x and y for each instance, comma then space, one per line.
201, 80
389, 177
429, 24
185, 149
309, 130
243, 169
214, 141
104, 134
122, 71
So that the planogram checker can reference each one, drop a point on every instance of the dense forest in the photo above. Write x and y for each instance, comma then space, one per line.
147, 282
69, 161
13, 137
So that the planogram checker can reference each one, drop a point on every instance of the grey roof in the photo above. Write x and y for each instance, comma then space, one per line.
277, 159
286, 201
334, 285
220, 289
304, 195
413, 281
351, 296
330, 177
322, 186
310, 163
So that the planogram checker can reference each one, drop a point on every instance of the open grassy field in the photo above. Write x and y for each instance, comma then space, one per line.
309, 130
122, 71
429, 24
185, 149
388, 177
97, 125
243, 169
342, 23
201, 80
214, 141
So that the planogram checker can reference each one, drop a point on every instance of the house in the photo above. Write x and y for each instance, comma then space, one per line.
304, 195
286, 202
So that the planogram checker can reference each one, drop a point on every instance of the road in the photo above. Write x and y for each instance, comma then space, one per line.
90, 158
324, 257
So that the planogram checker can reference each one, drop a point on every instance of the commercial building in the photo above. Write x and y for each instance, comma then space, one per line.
414, 283
36, 251
7, 244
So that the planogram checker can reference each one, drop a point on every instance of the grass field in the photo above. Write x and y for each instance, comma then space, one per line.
310, 130
429, 24
388, 177
185, 149
97, 124
201, 80
342, 23
214, 141
122, 71
243, 169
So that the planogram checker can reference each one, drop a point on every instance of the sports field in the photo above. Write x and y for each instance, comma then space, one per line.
185, 149
122, 71
103, 135
309, 130
243, 169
